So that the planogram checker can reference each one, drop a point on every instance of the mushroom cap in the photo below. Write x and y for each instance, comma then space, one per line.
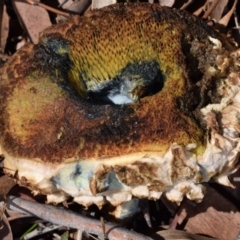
59, 139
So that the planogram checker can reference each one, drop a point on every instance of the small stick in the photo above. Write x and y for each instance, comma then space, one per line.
79, 235
185, 5
70, 219
37, 3
103, 227
236, 19
145, 211
91, 236
2, 214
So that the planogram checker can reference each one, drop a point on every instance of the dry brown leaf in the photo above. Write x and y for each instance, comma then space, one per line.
6, 184
218, 10
34, 19
215, 216
177, 234
225, 20
210, 8
5, 230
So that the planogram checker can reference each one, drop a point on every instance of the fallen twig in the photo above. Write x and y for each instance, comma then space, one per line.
79, 6
76, 7
186, 4
54, 10
2, 214
103, 228
70, 219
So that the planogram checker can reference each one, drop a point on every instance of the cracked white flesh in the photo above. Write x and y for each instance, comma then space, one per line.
73, 179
